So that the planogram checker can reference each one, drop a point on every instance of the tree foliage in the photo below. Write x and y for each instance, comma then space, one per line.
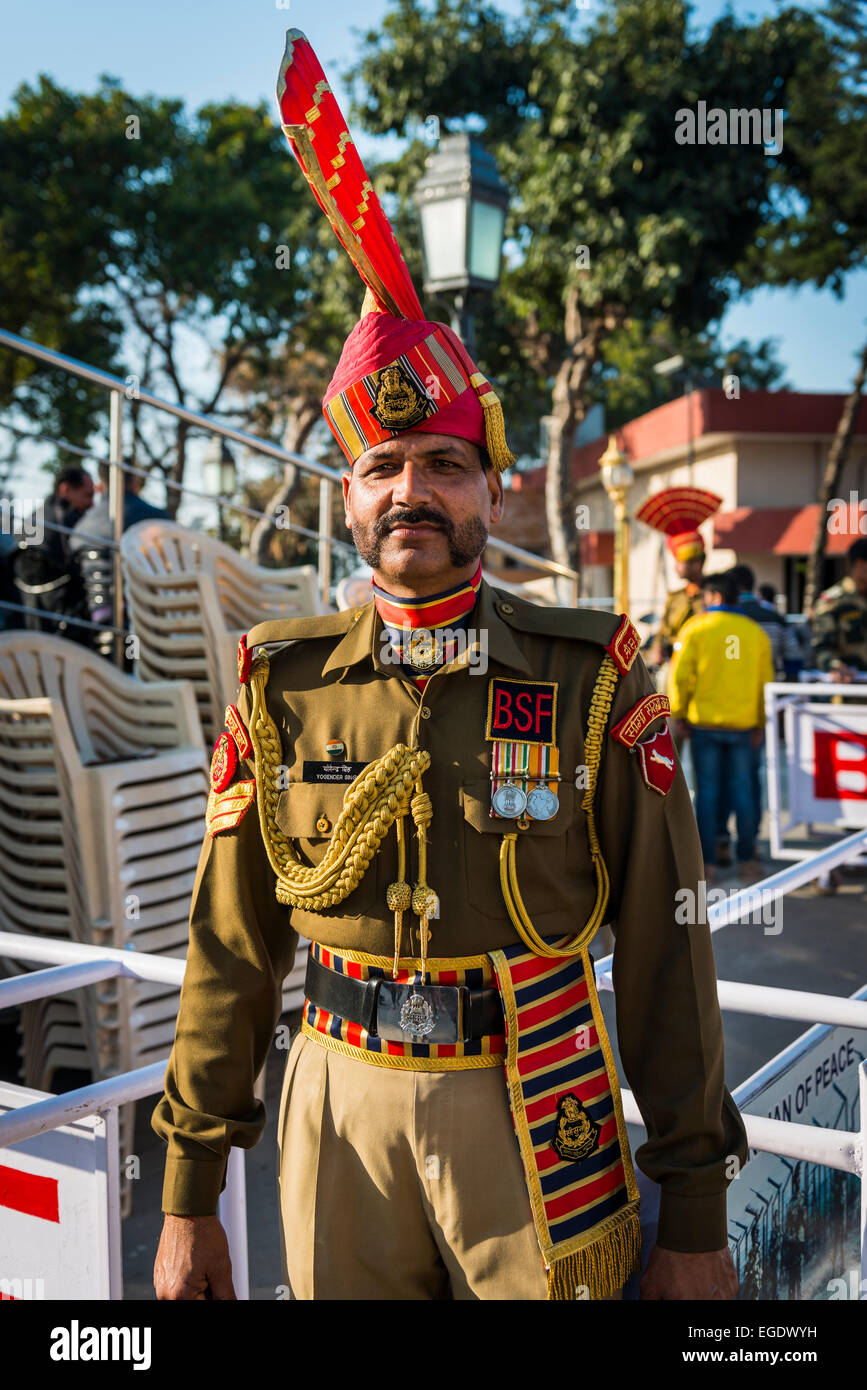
582, 122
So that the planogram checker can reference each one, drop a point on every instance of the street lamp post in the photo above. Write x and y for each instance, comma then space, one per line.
462, 204
617, 479
220, 477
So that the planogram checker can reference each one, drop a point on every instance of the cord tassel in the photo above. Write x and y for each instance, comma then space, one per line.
495, 426
399, 895
425, 903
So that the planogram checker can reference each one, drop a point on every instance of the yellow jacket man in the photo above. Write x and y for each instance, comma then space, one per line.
722, 662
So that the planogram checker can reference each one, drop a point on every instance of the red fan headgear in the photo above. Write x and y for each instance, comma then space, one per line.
678, 512
397, 371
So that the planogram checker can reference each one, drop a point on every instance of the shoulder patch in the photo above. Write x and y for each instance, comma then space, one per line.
623, 647
238, 730
227, 809
657, 760
630, 728
302, 629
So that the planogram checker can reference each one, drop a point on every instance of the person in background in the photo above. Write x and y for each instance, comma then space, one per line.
788, 661
784, 644
840, 620
721, 664
46, 574
95, 560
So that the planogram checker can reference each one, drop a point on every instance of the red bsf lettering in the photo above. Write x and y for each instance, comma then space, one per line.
502, 706
541, 712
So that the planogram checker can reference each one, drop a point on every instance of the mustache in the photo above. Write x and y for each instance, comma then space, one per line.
411, 516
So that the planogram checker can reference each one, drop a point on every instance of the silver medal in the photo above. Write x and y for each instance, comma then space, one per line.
509, 801
542, 803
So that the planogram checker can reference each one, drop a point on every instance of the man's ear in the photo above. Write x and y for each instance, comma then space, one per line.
495, 491
346, 483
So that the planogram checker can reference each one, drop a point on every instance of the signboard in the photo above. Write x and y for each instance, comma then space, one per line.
59, 1209
794, 1227
826, 750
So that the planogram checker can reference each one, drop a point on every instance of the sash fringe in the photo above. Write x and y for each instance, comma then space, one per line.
601, 1268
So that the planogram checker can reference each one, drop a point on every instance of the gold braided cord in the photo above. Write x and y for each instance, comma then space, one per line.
434, 964
405, 1063
597, 719
380, 793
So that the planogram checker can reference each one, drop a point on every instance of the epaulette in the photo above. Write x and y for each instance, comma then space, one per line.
613, 631
279, 631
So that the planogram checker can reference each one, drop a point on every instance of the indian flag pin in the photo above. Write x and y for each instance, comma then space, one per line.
335, 748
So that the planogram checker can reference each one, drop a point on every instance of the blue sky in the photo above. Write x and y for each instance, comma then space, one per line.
232, 48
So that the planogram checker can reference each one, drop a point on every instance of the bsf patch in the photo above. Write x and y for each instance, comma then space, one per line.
522, 711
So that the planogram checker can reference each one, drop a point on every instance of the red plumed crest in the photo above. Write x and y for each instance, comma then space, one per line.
319, 138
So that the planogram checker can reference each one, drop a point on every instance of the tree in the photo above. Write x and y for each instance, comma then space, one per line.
616, 221
177, 249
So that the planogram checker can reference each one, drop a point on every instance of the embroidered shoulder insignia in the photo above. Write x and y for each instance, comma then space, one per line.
227, 809
656, 758
623, 647
576, 1135
633, 725
236, 727
223, 762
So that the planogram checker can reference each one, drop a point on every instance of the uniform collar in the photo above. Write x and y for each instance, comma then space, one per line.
362, 639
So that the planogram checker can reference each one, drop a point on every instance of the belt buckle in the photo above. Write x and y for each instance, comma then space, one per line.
422, 1013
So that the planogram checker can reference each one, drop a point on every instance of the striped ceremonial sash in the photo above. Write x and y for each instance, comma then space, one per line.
569, 1123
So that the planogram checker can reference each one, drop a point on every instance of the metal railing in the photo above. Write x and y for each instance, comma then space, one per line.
120, 392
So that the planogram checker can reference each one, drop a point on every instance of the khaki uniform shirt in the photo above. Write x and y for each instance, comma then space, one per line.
680, 606
840, 628
330, 683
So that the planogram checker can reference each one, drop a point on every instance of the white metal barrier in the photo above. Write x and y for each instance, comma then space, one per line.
817, 774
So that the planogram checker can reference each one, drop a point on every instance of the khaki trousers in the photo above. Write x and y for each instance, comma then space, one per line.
401, 1184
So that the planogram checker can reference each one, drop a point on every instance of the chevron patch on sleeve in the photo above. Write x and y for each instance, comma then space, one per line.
227, 809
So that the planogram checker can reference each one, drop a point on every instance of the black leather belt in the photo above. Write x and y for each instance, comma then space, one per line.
405, 1012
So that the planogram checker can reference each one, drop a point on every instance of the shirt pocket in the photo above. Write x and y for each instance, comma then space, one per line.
302, 812
540, 854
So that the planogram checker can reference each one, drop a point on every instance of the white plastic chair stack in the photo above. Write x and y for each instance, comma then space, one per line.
189, 600
38, 891
122, 772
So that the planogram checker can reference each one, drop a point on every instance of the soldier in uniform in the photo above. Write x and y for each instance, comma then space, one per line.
840, 620
678, 512
446, 790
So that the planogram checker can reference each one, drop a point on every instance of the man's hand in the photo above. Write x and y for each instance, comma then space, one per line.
193, 1260
672, 1274
757, 737
681, 728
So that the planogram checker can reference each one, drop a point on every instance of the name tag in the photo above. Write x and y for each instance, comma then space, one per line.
331, 772
522, 711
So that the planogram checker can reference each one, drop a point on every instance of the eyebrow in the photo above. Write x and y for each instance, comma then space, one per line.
389, 455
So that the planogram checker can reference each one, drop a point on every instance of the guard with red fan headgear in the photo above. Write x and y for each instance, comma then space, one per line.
678, 512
